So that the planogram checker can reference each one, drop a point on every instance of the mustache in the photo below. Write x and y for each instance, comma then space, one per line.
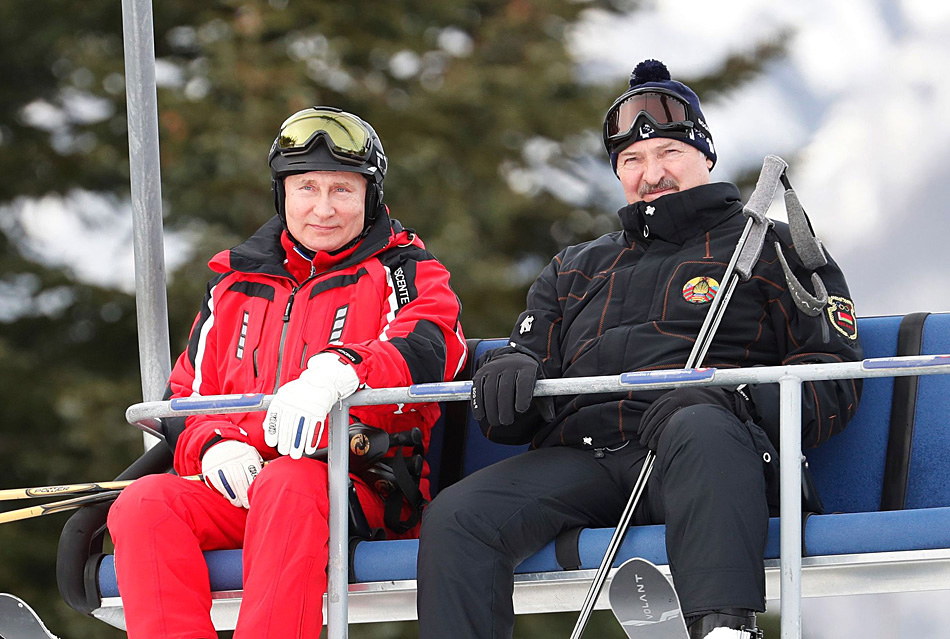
662, 185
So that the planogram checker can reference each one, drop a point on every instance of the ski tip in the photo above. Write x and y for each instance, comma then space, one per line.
19, 621
634, 561
644, 601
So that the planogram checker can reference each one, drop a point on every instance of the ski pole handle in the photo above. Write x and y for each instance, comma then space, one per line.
772, 169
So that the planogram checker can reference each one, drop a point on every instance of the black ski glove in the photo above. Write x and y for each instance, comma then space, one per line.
502, 389
656, 417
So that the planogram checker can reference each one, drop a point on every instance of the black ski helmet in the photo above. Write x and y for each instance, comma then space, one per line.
322, 138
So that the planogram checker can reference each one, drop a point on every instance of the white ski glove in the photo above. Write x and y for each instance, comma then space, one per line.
297, 415
229, 467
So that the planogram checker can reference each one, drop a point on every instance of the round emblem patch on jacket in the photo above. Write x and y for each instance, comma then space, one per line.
842, 317
700, 290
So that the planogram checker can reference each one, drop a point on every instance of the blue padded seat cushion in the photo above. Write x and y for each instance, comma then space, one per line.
837, 534
224, 571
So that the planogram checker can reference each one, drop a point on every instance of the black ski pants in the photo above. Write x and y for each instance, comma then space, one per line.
708, 486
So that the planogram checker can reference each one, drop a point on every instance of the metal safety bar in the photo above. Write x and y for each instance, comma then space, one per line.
789, 379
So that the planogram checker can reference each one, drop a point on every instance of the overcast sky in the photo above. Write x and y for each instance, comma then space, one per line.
858, 108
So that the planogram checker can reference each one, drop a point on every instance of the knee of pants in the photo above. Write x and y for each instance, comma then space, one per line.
454, 510
440, 513
290, 479
469, 513
128, 512
705, 428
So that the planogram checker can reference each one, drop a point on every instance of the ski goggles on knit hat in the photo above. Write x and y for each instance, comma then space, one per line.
347, 138
664, 110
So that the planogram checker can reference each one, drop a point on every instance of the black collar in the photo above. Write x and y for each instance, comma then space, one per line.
680, 216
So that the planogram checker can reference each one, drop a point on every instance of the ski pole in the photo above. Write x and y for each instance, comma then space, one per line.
613, 546
371, 443
746, 254
68, 489
56, 506
103, 491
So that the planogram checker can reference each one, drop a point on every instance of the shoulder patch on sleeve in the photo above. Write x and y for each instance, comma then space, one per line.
403, 282
842, 317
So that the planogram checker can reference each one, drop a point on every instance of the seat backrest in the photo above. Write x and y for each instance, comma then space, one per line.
479, 451
457, 447
849, 468
435, 451
928, 483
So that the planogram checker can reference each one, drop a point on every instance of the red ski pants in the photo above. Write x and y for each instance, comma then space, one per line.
161, 524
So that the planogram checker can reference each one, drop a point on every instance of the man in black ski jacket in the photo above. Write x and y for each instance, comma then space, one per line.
634, 300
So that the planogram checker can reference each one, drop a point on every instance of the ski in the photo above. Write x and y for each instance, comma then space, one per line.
645, 602
19, 621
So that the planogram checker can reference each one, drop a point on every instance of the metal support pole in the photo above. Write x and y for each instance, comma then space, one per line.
338, 461
145, 177
790, 461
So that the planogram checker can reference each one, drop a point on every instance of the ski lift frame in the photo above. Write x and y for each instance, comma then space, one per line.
155, 366
549, 592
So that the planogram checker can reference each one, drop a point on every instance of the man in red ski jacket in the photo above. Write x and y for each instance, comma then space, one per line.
329, 296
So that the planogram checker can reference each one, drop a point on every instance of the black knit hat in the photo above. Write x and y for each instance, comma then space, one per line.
652, 75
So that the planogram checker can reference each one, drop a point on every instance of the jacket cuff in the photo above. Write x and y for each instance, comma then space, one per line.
208, 444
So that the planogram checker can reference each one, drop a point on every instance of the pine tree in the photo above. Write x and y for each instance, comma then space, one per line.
491, 135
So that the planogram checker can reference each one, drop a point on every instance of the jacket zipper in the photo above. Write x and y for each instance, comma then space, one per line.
290, 303
286, 323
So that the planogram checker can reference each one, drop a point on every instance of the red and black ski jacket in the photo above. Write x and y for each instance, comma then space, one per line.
385, 303
635, 300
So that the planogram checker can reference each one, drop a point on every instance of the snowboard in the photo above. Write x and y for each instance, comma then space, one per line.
19, 621
645, 603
